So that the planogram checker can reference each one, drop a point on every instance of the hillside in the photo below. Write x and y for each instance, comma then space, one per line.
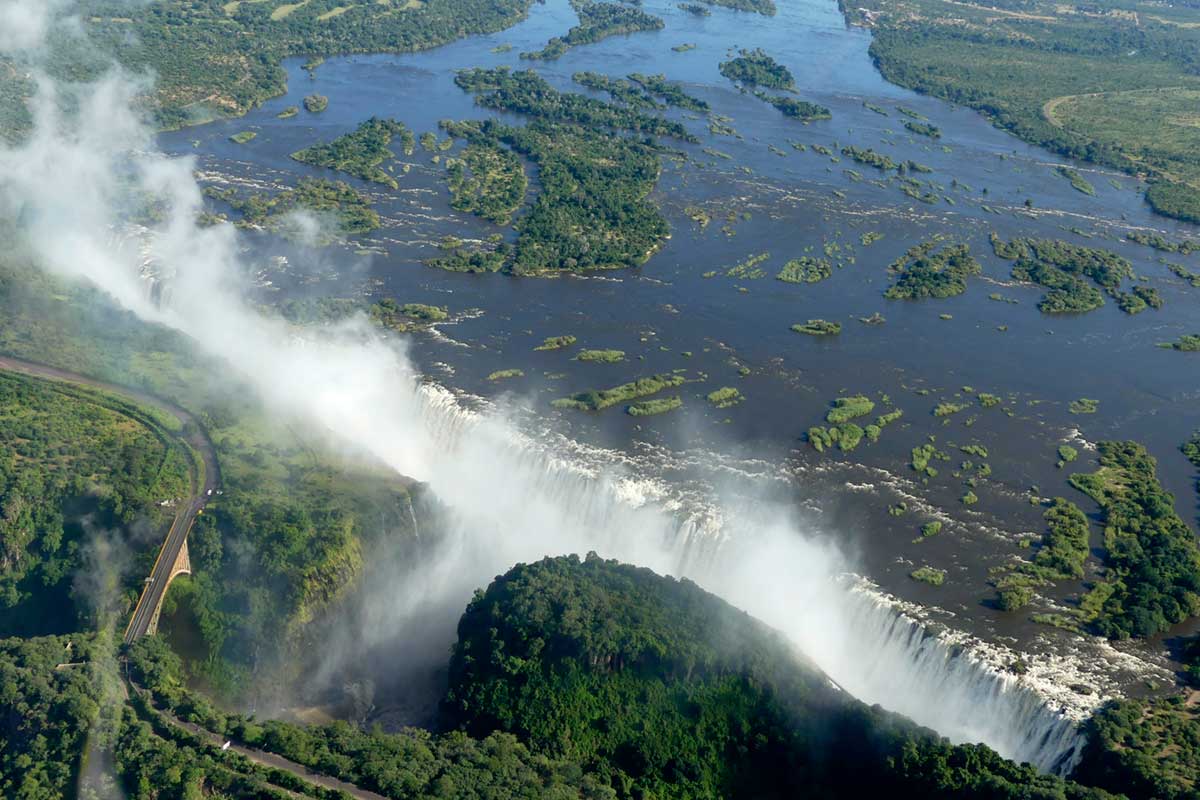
668, 691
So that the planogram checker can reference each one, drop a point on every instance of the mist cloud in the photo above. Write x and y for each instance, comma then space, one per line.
506, 497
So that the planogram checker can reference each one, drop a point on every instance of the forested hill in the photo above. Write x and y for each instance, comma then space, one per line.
668, 691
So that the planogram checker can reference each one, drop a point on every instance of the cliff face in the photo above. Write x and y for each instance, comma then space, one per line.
666, 690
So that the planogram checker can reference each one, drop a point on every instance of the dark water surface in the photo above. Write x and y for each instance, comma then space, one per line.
785, 205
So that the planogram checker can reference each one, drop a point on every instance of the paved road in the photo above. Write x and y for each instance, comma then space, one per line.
152, 594
257, 756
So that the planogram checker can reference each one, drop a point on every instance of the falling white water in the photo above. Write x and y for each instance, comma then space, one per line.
756, 556
508, 499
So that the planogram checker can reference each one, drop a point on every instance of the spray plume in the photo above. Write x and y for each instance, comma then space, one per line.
72, 184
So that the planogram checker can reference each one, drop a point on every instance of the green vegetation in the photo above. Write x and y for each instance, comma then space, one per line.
756, 68
245, 137
1186, 274
695, 9
924, 129
641, 91
725, 397
213, 59
1161, 243
505, 374
282, 543
796, 109
847, 434
1187, 343
1152, 561
945, 409
969, 498
361, 152
487, 181
1061, 556
1084, 405
1078, 182
659, 405
683, 48
316, 103
597, 21
65, 452
870, 158
805, 269
931, 269
922, 455
1144, 748
1138, 299
592, 210
526, 92
348, 212
847, 408
597, 400
50, 711
818, 327
1066, 454
556, 342
288, 112
1112, 85
670, 93
748, 268
663, 690
934, 577
1061, 267
418, 311
412, 764
764, 7
931, 529
603, 356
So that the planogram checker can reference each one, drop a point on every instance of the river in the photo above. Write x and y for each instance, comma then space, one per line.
727, 331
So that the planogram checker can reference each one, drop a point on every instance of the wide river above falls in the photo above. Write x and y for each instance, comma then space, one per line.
764, 195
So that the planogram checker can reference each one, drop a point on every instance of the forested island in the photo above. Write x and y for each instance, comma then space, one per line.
362, 152
596, 21
339, 209
756, 68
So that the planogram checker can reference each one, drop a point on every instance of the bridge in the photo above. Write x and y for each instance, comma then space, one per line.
173, 559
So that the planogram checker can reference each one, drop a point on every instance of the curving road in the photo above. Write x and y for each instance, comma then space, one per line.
156, 584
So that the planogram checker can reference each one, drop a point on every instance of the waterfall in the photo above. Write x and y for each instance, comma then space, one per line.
510, 496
